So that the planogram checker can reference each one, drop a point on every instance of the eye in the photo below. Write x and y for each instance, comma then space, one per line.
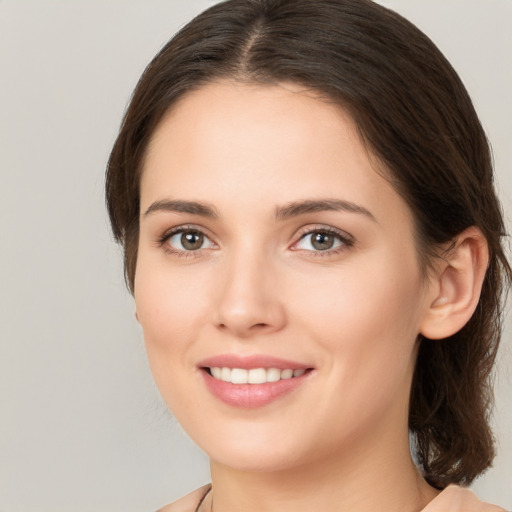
186, 240
321, 240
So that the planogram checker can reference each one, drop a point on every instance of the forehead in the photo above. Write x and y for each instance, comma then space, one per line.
257, 146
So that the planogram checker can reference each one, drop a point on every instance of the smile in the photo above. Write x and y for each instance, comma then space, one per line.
254, 375
252, 381
249, 382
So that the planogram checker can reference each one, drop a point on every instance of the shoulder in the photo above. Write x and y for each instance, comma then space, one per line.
189, 502
458, 499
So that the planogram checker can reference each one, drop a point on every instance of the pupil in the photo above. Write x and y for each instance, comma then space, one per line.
322, 241
192, 240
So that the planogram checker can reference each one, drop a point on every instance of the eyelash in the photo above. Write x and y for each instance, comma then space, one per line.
346, 241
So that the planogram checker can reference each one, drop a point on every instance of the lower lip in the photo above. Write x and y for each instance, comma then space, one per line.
251, 396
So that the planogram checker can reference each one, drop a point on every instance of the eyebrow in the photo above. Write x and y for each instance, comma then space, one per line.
297, 208
293, 209
193, 207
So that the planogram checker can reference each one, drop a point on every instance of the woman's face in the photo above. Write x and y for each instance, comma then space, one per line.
269, 244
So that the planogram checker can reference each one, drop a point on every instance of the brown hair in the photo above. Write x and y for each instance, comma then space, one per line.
413, 113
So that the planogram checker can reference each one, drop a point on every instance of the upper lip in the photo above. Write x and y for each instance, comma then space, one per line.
251, 362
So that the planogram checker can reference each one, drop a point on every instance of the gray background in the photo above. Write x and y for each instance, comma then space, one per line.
82, 427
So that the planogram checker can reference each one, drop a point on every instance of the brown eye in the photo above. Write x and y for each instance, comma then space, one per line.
188, 240
322, 241
192, 240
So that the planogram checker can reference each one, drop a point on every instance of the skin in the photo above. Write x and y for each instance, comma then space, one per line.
258, 286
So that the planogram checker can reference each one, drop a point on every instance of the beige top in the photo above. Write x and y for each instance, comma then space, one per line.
452, 499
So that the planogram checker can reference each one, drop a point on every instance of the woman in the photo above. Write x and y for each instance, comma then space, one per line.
305, 199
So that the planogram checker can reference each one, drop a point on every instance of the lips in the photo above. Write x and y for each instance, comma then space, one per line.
254, 381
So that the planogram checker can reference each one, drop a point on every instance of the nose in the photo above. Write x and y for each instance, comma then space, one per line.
249, 300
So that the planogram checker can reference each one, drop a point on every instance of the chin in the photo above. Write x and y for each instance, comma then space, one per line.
257, 459
256, 451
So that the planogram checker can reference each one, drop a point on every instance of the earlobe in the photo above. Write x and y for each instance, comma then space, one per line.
457, 285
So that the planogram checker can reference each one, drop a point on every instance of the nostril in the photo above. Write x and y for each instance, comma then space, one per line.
259, 326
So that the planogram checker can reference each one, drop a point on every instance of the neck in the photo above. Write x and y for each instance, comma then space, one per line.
369, 476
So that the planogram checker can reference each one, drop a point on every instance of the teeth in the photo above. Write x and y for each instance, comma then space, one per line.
255, 375
225, 374
239, 376
286, 374
273, 375
216, 372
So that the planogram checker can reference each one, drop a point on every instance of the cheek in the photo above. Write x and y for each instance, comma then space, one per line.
365, 326
364, 295
167, 301
367, 319
171, 309
168, 313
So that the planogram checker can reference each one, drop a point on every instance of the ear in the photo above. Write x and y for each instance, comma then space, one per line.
455, 288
